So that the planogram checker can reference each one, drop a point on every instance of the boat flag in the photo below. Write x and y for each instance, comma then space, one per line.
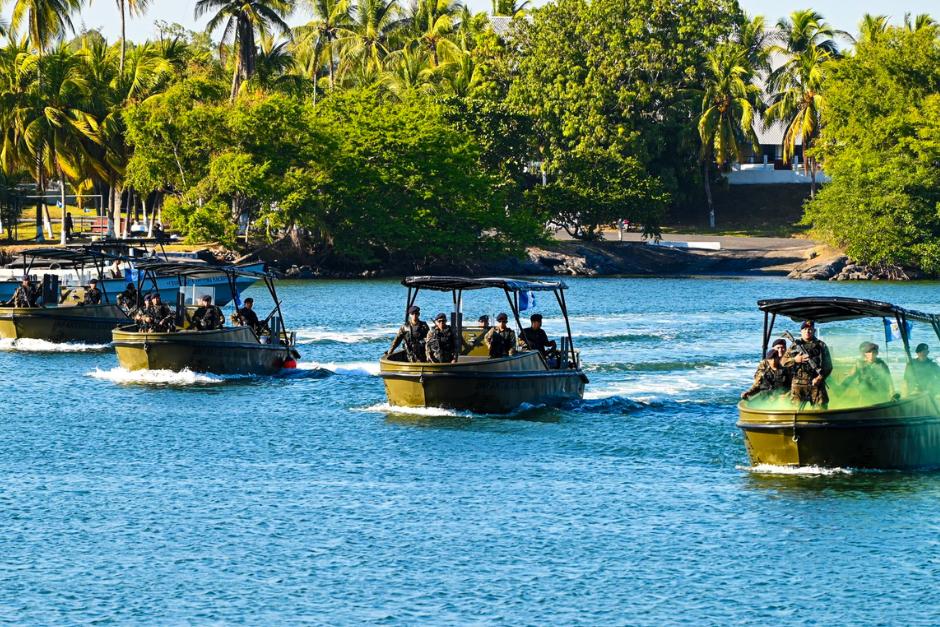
526, 300
893, 331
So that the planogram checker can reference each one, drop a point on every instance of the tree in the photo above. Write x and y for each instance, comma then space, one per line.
240, 20
367, 45
872, 27
135, 8
509, 8
882, 155
729, 104
331, 22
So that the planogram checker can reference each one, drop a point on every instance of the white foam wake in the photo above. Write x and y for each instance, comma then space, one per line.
28, 345
352, 368
386, 408
122, 376
350, 336
808, 471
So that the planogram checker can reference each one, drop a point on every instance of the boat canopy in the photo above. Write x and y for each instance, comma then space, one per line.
194, 270
75, 256
831, 309
451, 283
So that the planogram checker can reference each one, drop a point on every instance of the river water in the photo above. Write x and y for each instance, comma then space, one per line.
189, 498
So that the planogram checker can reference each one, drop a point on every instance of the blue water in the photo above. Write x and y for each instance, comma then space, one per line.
188, 498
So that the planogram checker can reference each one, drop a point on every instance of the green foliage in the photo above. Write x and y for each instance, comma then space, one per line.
206, 222
596, 188
613, 75
881, 145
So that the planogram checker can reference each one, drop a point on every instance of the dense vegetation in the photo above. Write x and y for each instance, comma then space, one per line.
384, 130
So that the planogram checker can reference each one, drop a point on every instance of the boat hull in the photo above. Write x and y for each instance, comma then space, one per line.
479, 384
90, 324
233, 350
903, 434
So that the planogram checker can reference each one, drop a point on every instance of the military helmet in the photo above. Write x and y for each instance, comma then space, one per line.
502, 317
440, 316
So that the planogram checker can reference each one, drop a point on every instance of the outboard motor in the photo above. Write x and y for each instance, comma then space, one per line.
50, 290
276, 326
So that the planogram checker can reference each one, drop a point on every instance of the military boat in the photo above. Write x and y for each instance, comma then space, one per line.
59, 315
229, 350
477, 382
903, 432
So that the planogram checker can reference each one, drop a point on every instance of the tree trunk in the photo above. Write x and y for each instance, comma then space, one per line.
116, 209
708, 197
235, 79
812, 180
330, 61
39, 202
123, 34
62, 236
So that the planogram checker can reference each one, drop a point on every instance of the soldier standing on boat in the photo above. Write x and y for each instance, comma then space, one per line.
128, 298
413, 334
208, 317
159, 317
140, 315
441, 342
870, 375
810, 365
25, 295
501, 340
771, 378
92, 293
247, 317
922, 373
534, 338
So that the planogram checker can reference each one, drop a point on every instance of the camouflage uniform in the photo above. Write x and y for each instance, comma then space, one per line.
441, 345
501, 343
922, 376
128, 299
872, 379
802, 389
208, 318
414, 336
24, 297
161, 318
92, 297
769, 380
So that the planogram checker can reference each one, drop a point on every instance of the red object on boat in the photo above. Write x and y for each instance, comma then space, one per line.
289, 363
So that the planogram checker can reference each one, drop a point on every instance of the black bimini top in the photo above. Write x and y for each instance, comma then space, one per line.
76, 256
834, 308
197, 270
451, 283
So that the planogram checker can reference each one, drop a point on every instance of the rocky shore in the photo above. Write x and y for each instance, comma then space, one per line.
838, 267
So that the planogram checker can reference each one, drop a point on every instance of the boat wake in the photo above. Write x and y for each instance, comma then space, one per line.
352, 368
424, 412
122, 376
607, 405
806, 471
28, 345
320, 335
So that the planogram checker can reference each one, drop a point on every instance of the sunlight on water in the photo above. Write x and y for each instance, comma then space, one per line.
28, 345
353, 368
809, 471
322, 335
160, 377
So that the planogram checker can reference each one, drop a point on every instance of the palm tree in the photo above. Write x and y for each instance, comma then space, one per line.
797, 101
922, 21
332, 20
756, 40
274, 68
241, 20
367, 45
728, 107
806, 29
509, 8
872, 27
45, 20
432, 21
135, 8
409, 71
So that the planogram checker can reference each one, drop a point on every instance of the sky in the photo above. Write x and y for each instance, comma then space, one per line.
843, 14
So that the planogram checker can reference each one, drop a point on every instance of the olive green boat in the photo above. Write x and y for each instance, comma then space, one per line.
59, 315
477, 382
900, 433
229, 350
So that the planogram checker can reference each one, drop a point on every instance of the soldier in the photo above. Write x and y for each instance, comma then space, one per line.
159, 317
922, 373
128, 298
92, 293
441, 342
534, 338
24, 296
413, 334
501, 340
208, 317
806, 384
484, 322
141, 313
771, 378
870, 375
246, 316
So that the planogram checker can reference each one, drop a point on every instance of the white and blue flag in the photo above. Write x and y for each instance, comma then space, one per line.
893, 331
526, 300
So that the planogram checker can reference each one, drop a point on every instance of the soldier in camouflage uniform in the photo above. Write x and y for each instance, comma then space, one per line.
808, 385
871, 375
771, 378
413, 334
92, 294
501, 340
128, 298
158, 316
24, 296
441, 342
208, 317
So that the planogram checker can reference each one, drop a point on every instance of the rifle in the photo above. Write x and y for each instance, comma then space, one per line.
809, 359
